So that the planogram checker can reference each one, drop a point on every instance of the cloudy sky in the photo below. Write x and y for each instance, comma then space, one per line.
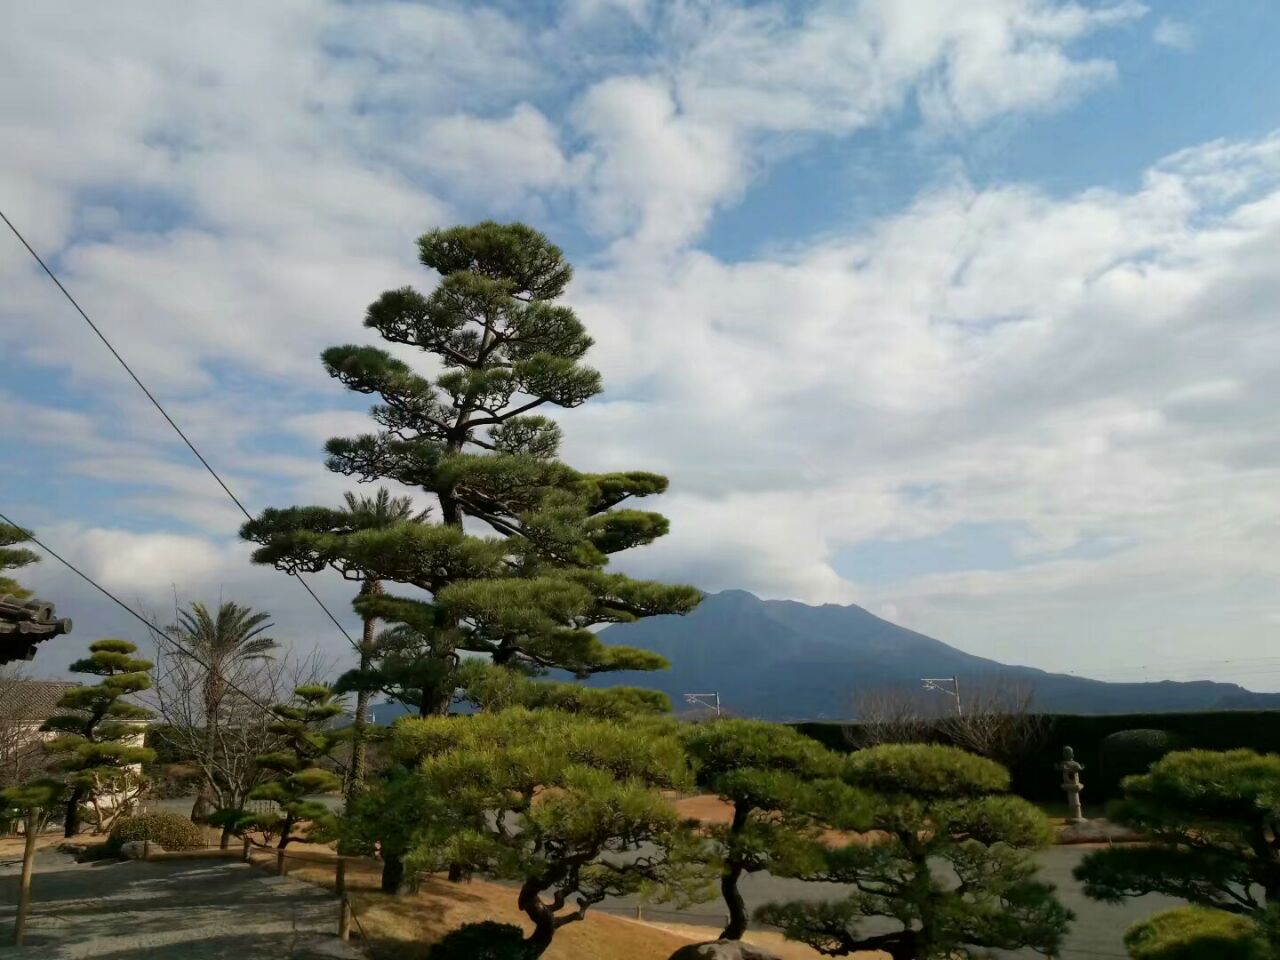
960, 310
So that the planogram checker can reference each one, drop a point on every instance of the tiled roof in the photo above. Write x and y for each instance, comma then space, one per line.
25, 623
33, 700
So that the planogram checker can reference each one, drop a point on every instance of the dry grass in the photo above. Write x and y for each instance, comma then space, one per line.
405, 927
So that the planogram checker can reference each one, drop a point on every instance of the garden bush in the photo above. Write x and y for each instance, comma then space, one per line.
483, 941
1130, 752
1196, 933
170, 830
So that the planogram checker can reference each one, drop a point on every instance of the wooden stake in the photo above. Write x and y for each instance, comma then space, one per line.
280, 867
344, 919
340, 879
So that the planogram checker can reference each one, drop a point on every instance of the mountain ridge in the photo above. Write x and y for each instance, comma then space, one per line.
787, 660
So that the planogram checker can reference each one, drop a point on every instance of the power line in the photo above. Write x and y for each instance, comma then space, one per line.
159, 633
164, 413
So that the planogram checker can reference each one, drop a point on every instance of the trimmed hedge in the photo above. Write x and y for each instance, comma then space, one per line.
1196, 933
483, 941
1129, 753
170, 830
1036, 778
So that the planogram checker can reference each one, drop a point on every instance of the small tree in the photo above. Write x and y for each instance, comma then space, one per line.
1213, 825
34, 800
569, 808
933, 805
309, 740
98, 734
773, 777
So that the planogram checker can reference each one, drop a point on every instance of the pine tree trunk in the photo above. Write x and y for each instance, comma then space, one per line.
359, 733
392, 873
737, 924
71, 823
544, 923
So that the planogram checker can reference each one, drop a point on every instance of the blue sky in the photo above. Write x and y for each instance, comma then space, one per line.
961, 311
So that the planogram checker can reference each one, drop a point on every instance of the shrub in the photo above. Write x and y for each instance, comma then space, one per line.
170, 830
1131, 752
1196, 933
483, 941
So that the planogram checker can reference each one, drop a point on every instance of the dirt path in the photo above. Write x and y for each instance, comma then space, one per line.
175, 910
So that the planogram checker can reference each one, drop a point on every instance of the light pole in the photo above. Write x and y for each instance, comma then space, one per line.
939, 684
704, 700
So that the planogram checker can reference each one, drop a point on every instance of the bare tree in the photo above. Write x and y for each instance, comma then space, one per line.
224, 740
21, 754
998, 721
892, 715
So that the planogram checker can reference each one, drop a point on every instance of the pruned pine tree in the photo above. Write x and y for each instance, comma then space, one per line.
475, 438
778, 783
303, 765
557, 804
98, 743
14, 557
1213, 822
932, 806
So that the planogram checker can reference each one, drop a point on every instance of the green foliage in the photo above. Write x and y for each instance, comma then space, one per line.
1129, 752
95, 738
305, 725
1208, 816
1257, 730
42, 794
545, 799
933, 805
1196, 933
490, 688
778, 782
170, 830
471, 437
482, 941
14, 557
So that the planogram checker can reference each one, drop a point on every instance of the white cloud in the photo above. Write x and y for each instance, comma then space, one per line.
1093, 369
1174, 33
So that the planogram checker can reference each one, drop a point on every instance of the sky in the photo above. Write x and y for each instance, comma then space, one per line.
963, 311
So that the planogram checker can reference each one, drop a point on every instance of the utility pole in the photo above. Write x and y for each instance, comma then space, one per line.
704, 700
940, 684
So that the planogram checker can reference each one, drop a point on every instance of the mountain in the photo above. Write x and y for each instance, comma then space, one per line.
784, 660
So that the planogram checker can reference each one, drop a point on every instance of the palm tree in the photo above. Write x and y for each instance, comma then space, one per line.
375, 512
218, 642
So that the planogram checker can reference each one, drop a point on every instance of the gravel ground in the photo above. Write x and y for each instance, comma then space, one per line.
169, 910
1096, 934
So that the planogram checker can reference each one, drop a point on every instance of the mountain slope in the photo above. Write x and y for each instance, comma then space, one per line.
786, 660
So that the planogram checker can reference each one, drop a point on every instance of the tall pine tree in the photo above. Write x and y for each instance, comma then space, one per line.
528, 593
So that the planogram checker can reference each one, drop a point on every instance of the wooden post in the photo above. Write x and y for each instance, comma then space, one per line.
247, 858
24, 889
639, 912
280, 867
344, 919
146, 849
340, 879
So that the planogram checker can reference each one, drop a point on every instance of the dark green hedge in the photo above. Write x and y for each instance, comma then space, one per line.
1036, 778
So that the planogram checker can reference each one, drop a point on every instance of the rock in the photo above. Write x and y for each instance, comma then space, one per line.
1096, 831
138, 849
722, 950
72, 848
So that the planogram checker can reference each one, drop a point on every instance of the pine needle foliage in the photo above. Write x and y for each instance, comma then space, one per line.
475, 437
932, 805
